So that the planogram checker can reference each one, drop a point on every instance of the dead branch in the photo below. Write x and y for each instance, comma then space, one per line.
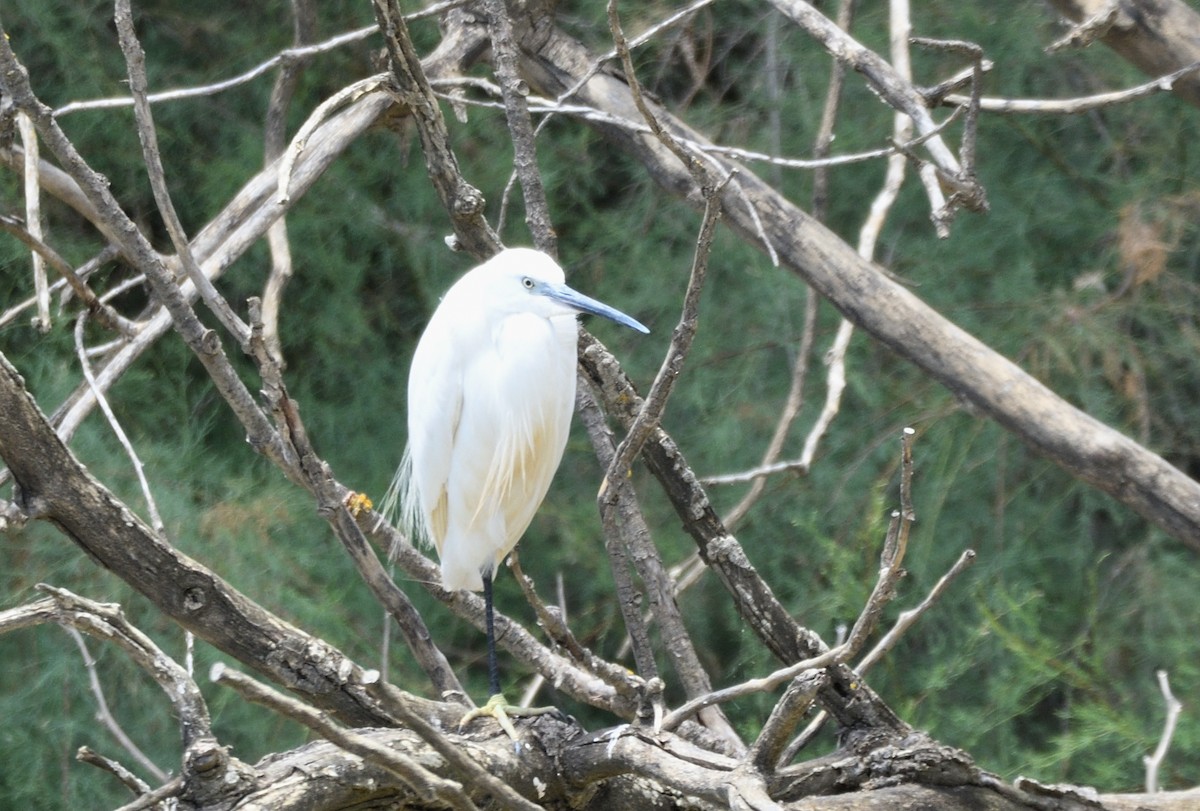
505, 63
428, 787
1174, 708
1076, 441
1076, 106
462, 201
1156, 36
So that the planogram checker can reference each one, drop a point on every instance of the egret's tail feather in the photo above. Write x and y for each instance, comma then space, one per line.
401, 505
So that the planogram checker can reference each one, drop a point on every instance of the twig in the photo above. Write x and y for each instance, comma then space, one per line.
625, 525
91, 757
106, 621
649, 415
616, 500
835, 385
892, 557
883, 593
429, 787
549, 108
908, 618
138, 468
640, 39
316, 120
966, 77
556, 107
614, 530
797, 699
763, 684
753, 598
462, 201
274, 141
829, 112
895, 88
752, 475
283, 58
135, 61
105, 717
33, 216
105, 314
903, 622
172, 788
516, 110
1075, 106
1087, 31
1174, 708
902, 130
967, 192
701, 173
553, 622
651, 411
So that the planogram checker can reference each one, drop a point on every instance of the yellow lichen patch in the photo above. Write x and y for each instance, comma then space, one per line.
358, 503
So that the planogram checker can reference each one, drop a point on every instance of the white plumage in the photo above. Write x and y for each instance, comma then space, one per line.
490, 396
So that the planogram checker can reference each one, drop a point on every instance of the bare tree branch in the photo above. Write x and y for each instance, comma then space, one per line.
106, 621
1174, 708
105, 716
135, 60
1079, 105
105, 314
505, 62
892, 86
138, 468
427, 786
1078, 442
1157, 36
463, 202
33, 216
56, 487
304, 20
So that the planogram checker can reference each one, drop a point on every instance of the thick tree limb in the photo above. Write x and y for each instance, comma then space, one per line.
861, 290
1156, 36
54, 486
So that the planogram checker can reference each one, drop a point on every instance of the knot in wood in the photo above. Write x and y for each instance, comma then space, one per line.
724, 547
194, 599
210, 342
468, 201
204, 757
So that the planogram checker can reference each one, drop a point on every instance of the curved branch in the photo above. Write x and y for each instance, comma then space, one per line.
56, 487
863, 292
1156, 36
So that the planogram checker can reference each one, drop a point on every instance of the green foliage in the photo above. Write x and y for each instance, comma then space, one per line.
1039, 660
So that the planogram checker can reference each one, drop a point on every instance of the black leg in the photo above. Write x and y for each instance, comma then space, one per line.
493, 667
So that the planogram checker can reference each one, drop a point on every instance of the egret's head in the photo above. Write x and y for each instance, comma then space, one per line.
526, 280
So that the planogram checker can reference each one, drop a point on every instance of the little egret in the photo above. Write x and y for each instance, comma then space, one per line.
490, 396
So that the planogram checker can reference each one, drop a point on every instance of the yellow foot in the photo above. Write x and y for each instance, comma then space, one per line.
498, 707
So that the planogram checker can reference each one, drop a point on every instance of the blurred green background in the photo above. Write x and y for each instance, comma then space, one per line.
1040, 660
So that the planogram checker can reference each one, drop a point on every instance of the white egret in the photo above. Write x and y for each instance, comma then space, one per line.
490, 396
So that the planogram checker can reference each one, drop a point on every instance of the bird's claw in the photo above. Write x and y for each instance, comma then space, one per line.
497, 707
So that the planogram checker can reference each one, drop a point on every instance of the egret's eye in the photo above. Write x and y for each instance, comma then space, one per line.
527, 282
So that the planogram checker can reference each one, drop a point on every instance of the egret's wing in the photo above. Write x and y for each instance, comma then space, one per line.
534, 377
435, 400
